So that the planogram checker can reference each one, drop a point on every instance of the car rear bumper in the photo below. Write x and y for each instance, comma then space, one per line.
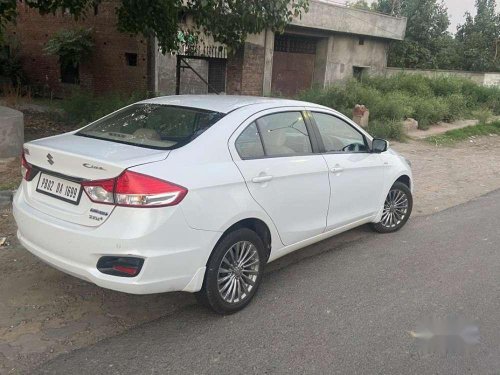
174, 254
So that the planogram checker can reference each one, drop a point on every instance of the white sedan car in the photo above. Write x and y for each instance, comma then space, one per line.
198, 193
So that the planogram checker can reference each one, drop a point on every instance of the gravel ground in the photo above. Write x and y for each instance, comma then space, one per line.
44, 312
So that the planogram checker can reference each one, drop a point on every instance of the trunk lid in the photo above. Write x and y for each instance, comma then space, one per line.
75, 158
87, 158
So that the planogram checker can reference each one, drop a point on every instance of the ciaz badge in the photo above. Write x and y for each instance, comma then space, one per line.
87, 165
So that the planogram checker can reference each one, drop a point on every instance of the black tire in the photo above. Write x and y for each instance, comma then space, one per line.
391, 227
210, 294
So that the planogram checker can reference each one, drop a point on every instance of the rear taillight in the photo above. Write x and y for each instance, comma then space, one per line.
26, 168
134, 189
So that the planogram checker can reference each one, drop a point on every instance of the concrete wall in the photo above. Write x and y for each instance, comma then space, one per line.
337, 56
325, 15
338, 29
250, 70
11, 132
492, 79
190, 82
487, 79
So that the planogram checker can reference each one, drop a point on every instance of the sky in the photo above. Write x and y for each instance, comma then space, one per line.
457, 9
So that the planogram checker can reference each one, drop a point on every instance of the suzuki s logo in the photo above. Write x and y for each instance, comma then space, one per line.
50, 159
87, 165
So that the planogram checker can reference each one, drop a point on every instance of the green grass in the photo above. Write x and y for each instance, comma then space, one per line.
457, 135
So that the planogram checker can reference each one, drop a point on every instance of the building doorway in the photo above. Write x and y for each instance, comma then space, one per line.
293, 64
201, 70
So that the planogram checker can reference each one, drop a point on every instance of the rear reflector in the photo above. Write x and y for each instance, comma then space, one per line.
120, 266
134, 189
26, 168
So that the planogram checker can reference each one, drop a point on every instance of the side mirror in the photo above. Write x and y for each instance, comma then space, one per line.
379, 145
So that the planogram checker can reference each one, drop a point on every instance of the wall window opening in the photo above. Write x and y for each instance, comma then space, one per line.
70, 74
131, 59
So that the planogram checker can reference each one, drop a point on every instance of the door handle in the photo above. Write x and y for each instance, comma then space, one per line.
337, 169
262, 179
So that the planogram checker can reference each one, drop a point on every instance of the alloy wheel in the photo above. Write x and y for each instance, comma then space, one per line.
395, 208
238, 271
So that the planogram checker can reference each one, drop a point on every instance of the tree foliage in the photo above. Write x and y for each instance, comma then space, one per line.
479, 37
227, 21
10, 63
426, 31
359, 4
71, 46
7, 14
428, 44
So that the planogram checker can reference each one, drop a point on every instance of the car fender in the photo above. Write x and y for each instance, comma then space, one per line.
396, 170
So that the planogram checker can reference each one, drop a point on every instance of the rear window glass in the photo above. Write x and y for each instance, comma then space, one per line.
153, 125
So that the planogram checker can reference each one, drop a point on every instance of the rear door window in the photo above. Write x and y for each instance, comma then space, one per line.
153, 125
284, 134
279, 134
248, 144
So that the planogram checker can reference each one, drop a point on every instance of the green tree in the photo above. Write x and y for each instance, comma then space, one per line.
392, 7
71, 46
426, 32
227, 21
449, 53
479, 37
359, 4
7, 14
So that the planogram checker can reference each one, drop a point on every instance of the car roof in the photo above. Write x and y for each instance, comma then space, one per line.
224, 103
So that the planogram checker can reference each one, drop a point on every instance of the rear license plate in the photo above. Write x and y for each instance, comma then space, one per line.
59, 188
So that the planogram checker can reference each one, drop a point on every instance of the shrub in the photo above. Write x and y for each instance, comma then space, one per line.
415, 84
493, 101
390, 129
446, 85
392, 106
478, 96
456, 107
10, 63
83, 107
344, 97
422, 113
428, 99
482, 115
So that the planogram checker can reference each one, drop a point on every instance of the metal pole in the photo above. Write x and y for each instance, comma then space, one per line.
178, 76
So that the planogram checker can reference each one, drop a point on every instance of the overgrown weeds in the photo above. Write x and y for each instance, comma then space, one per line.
393, 99
84, 107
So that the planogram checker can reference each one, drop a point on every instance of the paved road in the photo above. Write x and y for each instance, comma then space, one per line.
336, 309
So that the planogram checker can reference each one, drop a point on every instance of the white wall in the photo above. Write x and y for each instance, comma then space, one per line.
487, 79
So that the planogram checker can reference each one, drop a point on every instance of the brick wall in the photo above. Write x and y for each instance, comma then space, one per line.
234, 72
106, 70
245, 70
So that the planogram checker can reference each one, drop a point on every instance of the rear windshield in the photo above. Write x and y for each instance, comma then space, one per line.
153, 125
